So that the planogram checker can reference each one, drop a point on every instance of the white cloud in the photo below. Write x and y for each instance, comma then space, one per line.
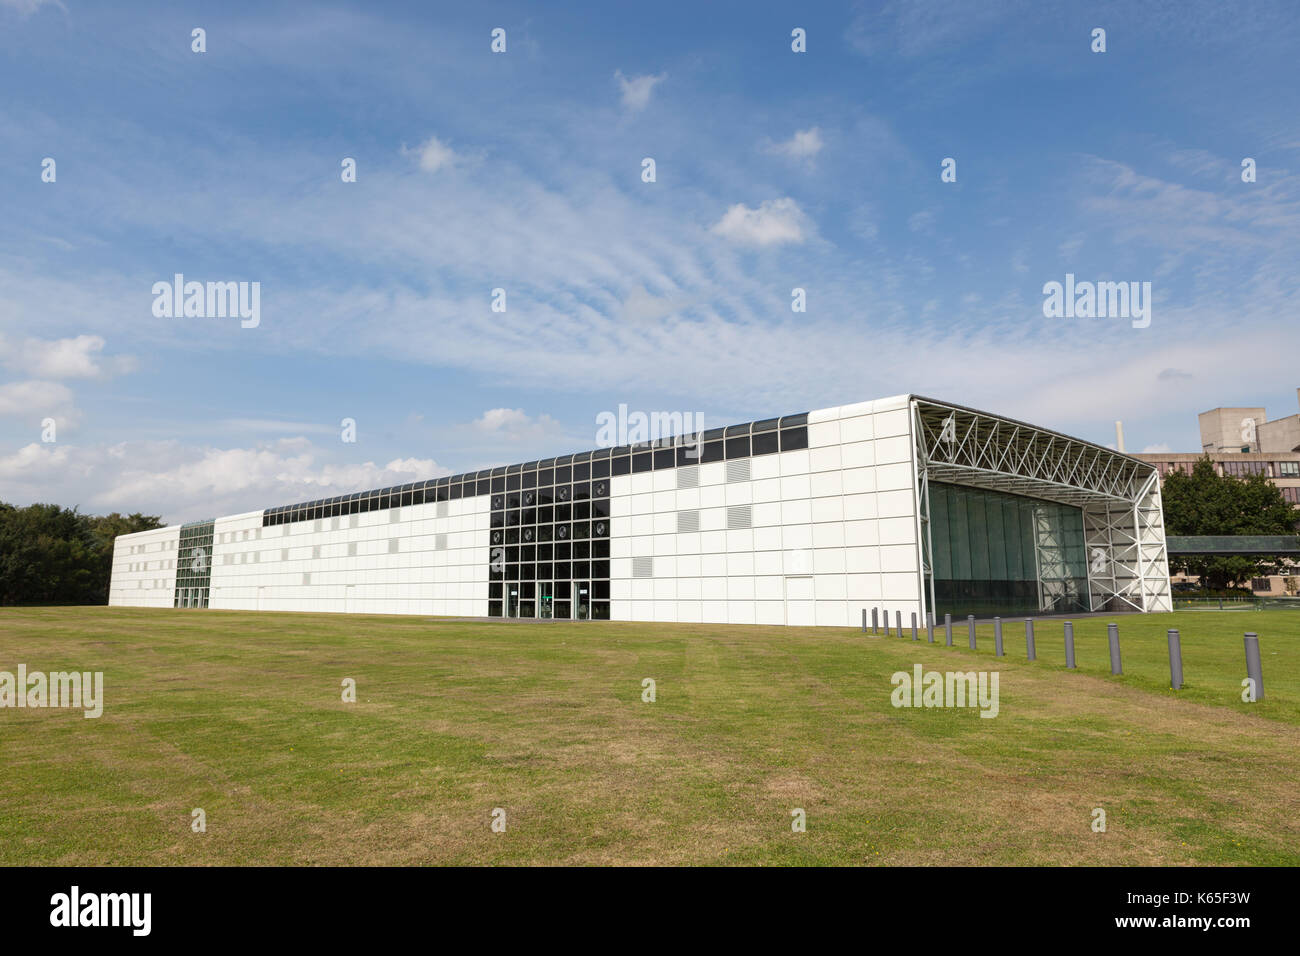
35, 400
1159, 448
803, 146
186, 482
76, 357
636, 90
515, 425
922, 221
28, 7
640, 306
434, 155
774, 221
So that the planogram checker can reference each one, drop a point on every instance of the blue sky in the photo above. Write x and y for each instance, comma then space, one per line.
522, 171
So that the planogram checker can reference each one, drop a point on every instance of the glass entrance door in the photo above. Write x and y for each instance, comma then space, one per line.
582, 600
563, 593
512, 599
545, 600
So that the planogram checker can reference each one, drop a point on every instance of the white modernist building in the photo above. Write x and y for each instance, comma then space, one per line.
906, 504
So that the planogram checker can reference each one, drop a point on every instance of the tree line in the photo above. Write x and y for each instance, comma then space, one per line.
1207, 503
55, 555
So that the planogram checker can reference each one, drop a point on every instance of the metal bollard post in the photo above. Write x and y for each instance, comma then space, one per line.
864, 620
1175, 660
929, 625
947, 630
970, 626
886, 617
997, 636
914, 637
898, 621
1069, 645
1029, 638
875, 620
1254, 670
1112, 637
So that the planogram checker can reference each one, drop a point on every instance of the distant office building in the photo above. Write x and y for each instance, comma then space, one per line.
1242, 442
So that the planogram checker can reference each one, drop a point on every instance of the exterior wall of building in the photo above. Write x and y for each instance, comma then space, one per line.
1230, 429
144, 568
806, 537
1281, 468
420, 559
1280, 435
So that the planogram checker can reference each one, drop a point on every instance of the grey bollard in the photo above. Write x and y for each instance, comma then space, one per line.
1254, 670
875, 620
914, 637
886, 617
1029, 639
997, 636
929, 625
1069, 645
947, 630
1112, 637
1175, 660
970, 626
898, 621
864, 620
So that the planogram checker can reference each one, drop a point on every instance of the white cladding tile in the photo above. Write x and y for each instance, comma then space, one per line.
824, 434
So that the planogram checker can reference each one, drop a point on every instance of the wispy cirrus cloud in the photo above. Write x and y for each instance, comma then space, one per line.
802, 147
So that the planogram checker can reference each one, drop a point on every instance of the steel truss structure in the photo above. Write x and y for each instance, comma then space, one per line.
1119, 496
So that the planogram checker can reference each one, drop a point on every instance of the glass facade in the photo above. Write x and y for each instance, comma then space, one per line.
996, 553
194, 565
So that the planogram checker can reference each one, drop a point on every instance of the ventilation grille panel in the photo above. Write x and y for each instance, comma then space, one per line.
738, 469
738, 517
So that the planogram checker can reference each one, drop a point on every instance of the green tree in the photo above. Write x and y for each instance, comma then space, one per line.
1207, 503
54, 555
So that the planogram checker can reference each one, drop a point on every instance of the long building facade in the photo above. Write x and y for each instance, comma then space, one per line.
905, 504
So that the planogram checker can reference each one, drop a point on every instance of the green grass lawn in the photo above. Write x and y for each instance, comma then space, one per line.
241, 715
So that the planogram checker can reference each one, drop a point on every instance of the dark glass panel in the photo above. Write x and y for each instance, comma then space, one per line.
793, 439
766, 443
